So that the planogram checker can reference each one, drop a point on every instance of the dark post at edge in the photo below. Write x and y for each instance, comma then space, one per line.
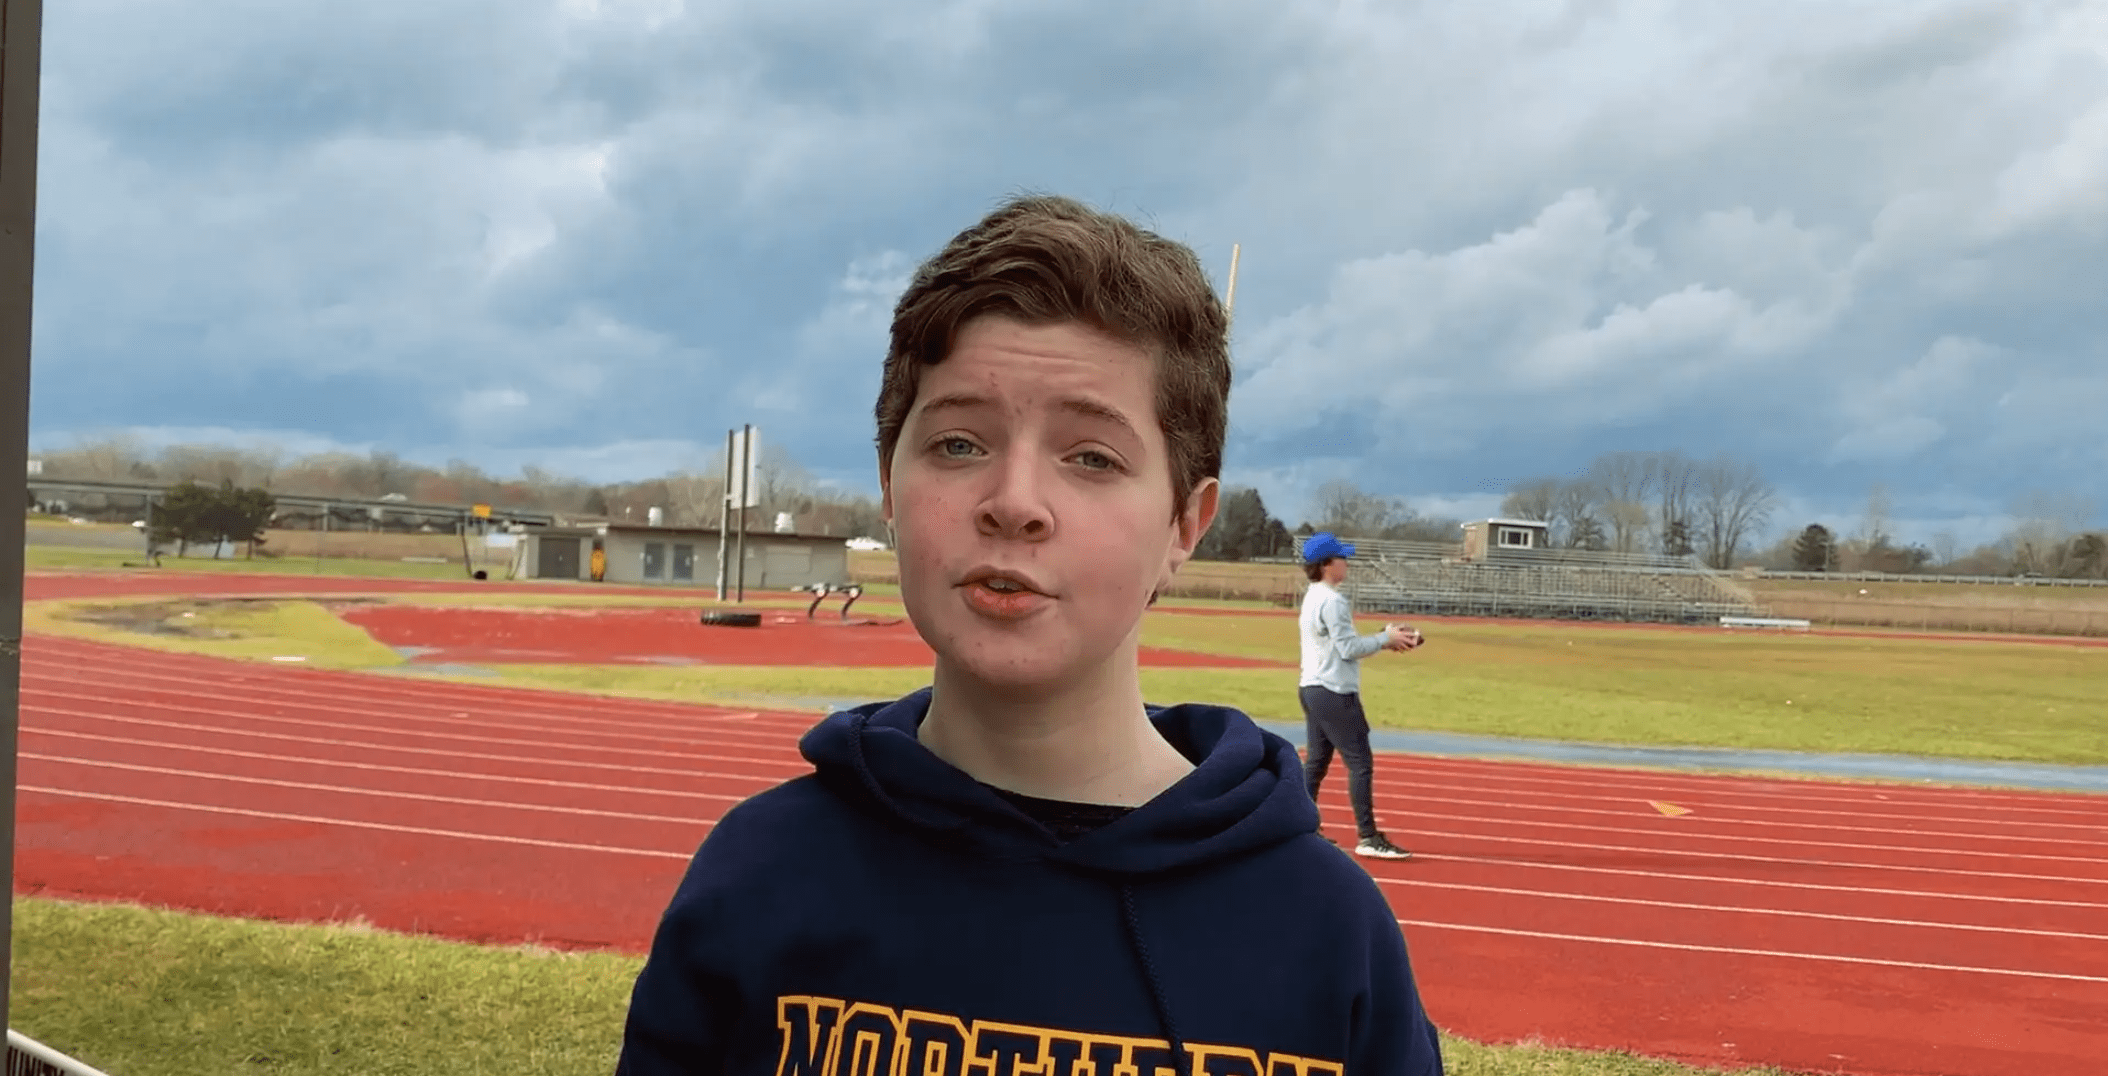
746, 477
724, 522
21, 31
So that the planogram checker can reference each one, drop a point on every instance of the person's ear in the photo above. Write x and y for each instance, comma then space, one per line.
1188, 527
885, 502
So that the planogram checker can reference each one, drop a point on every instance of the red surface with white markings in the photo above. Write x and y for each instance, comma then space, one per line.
1818, 926
671, 635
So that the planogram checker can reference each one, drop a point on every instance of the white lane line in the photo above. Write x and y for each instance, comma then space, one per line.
401, 723
1829, 958
221, 730
1742, 857
1708, 879
375, 767
1736, 909
381, 826
350, 790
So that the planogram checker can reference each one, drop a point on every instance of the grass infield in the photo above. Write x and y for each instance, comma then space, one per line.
143, 992
1975, 700
1992, 700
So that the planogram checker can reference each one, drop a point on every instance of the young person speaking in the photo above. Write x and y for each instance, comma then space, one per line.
1024, 867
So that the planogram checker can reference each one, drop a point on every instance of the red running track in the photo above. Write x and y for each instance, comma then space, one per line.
1866, 929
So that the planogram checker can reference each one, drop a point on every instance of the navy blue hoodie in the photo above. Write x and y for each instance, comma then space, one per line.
889, 915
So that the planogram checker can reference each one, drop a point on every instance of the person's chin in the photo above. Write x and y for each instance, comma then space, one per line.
1018, 665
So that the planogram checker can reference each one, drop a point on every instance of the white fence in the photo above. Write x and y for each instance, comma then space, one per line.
1976, 580
1780, 623
28, 1057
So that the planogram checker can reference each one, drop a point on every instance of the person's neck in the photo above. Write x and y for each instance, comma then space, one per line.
1085, 741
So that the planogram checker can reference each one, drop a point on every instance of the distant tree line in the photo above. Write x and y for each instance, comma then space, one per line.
1245, 530
1717, 510
2049, 539
687, 496
1651, 502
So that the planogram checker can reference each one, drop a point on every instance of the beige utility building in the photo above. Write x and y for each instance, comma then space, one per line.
1491, 537
681, 556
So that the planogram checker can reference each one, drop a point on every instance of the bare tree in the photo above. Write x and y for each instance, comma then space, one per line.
1778, 556
1873, 529
112, 459
2044, 524
1675, 480
1733, 500
1343, 508
785, 486
1944, 548
1575, 522
1626, 480
260, 466
1628, 524
695, 498
213, 465
1535, 499
1871, 542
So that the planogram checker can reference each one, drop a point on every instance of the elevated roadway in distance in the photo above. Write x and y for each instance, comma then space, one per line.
339, 507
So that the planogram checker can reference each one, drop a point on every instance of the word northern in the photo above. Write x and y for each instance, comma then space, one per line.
830, 1037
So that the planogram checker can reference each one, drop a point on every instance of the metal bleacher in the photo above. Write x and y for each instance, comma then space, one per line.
1435, 579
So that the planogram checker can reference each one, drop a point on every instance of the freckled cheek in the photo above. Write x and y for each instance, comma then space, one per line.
928, 523
1123, 559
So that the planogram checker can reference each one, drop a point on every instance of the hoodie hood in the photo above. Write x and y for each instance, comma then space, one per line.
890, 905
1244, 794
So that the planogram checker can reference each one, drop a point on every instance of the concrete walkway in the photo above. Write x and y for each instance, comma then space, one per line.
2032, 775
1874, 767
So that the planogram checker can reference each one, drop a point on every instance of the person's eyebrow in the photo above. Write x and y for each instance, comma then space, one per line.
956, 401
1090, 408
1081, 405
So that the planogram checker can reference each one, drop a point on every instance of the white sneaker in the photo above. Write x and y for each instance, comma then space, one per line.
1380, 847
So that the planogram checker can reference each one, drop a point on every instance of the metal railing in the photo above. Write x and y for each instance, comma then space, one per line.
28, 1057
1972, 580
1434, 579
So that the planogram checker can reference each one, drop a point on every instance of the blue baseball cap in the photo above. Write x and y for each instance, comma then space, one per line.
1323, 546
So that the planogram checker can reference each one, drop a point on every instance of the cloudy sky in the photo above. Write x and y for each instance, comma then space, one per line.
1853, 242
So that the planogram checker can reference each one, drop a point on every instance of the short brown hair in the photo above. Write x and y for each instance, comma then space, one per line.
1044, 260
1316, 569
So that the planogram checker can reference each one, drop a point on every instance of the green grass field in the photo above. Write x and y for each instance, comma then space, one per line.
246, 630
140, 992
2009, 701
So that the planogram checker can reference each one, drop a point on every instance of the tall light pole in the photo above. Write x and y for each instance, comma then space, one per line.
21, 35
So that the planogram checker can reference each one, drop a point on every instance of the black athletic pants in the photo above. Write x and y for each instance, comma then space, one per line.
1335, 721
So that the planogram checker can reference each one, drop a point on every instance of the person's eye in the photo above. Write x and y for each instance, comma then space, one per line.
956, 448
1093, 460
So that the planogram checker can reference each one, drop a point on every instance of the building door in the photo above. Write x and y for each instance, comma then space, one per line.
787, 566
683, 563
557, 559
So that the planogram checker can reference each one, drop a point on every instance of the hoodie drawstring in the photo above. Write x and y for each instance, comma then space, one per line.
870, 780
1156, 986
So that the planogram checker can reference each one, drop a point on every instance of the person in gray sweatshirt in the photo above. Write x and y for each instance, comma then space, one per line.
1330, 687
